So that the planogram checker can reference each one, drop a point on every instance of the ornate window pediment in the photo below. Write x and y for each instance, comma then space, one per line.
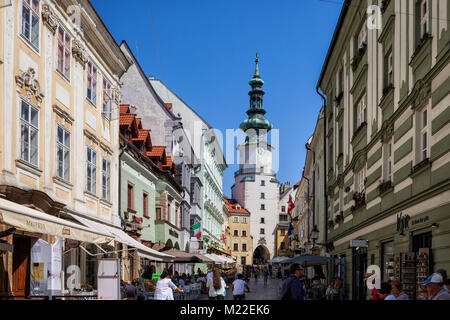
28, 80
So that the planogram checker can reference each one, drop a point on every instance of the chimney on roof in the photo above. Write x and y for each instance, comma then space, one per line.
152, 78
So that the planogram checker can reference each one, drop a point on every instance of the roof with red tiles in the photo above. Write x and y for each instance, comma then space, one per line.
169, 163
234, 207
127, 119
139, 123
142, 135
124, 108
157, 152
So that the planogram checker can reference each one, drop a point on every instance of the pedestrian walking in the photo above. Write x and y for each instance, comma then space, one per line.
435, 288
217, 287
266, 275
334, 291
256, 274
293, 288
165, 286
131, 291
397, 292
239, 286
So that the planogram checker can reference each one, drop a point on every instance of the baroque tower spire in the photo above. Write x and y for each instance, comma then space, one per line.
256, 126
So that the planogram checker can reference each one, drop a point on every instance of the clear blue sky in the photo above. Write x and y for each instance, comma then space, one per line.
206, 55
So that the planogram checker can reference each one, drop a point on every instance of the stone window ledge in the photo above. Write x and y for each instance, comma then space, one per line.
28, 167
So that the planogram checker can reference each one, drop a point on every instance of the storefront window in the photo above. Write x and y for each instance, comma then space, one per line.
388, 261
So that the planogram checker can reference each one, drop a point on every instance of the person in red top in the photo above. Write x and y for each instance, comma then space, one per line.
385, 290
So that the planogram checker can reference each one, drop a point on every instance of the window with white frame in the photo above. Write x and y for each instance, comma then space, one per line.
107, 100
244, 220
362, 36
106, 179
341, 199
423, 134
361, 112
388, 161
236, 220
360, 178
389, 70
91, 171
91, 83
423, 18
63, 153
29, 133
31, 21
263, 195
64, 52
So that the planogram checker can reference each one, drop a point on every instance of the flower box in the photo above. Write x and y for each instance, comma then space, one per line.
360, 200
420, 165
385, 186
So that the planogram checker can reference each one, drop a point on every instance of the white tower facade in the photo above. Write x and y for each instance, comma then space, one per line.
256, 187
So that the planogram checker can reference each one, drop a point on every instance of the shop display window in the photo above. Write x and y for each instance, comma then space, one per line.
388, 261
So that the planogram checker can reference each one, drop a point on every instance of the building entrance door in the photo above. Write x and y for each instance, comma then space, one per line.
422, 241
359, 292
21, 266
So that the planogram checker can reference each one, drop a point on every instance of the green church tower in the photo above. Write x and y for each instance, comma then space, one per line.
256, 126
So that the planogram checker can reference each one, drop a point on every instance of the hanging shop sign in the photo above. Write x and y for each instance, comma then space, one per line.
402, 222
72, 244
359, 244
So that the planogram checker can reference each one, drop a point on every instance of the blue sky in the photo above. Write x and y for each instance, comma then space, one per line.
204, 51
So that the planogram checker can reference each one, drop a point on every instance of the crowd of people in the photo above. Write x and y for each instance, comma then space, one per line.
436, 287
215, 283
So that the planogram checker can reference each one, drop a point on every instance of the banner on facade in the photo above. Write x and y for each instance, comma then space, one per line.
54, 275
41, 252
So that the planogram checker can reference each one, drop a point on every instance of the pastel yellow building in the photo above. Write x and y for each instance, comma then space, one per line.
240, 240
59, 141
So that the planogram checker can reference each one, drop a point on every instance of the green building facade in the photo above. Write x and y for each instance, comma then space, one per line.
388, 137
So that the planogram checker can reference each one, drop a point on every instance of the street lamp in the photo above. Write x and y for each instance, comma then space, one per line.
314, 235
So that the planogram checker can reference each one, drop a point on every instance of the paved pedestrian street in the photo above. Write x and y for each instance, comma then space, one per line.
258, 291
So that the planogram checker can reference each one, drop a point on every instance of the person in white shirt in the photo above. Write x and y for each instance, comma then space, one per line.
164, 287
239, 287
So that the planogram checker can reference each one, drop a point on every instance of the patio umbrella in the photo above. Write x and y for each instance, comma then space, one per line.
308, 260
278, 259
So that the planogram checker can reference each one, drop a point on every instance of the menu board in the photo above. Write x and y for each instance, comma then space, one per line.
408, 273
422, 271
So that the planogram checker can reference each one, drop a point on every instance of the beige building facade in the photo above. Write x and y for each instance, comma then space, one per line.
59, 97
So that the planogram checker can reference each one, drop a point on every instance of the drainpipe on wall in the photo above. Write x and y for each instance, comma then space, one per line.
119, 204
324, 163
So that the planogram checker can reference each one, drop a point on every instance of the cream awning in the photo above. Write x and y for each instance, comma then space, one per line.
120, 236
32, 220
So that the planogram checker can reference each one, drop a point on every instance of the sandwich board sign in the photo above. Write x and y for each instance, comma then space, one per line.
108, 279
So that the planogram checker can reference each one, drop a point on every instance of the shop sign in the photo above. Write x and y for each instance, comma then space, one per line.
402, 222
358, 244
72, 244
173, 233
374, 280
420, 220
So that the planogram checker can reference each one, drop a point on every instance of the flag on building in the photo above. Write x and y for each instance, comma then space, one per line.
291, 204
291, 229
197, 230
